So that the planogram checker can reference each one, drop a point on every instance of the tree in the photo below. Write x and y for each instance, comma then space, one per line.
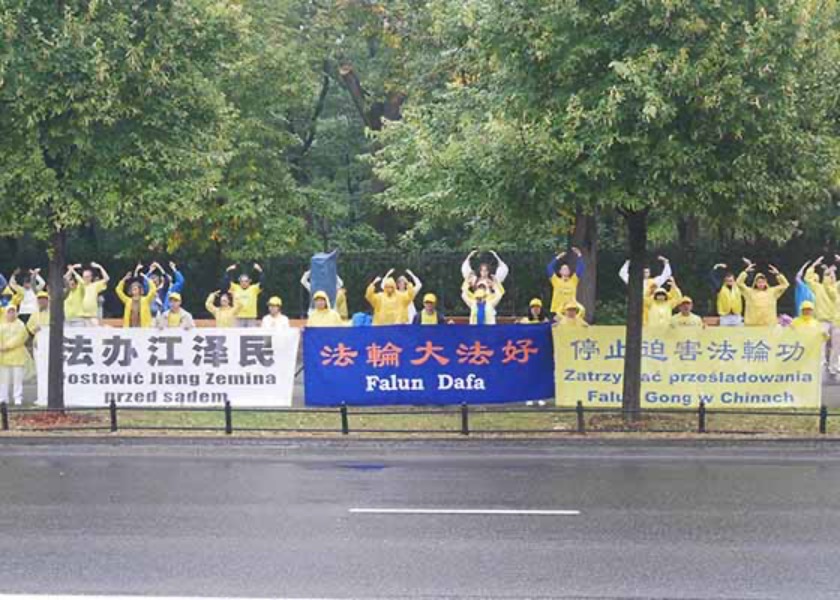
111, 113
655, 110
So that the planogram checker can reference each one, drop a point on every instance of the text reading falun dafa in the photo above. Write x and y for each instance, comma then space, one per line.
384, 364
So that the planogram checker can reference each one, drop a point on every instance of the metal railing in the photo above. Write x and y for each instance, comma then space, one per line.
682, 420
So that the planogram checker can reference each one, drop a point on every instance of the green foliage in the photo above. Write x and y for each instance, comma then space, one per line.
111, 112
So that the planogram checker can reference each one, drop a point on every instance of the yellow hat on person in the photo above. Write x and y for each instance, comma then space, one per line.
43, 295
389, 282
480, 293
275, 301
571, 306
660, 292
807, 305
536, 302
686, 300
430, 298
320, 296
175, 296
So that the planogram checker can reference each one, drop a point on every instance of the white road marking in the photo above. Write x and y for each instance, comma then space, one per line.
95, 597
464, 511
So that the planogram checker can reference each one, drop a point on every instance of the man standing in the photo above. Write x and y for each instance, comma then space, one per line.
686, 318
650, 282
89, 313
27, 292
176, 317
430, 315
730, 302
245, 294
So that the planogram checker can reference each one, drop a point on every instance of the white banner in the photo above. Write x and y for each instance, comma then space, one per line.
174, 368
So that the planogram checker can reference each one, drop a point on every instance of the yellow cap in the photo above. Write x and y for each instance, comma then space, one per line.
660, 292
806, 305
536, 302
389, 282
175, 296
430, 298
43, 295
275, 301
571, 306
686, 300
321, 296
480, 293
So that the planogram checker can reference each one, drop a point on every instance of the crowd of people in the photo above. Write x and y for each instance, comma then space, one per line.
152, 297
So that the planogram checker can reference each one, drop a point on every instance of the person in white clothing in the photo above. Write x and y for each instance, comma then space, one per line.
28, 291
655, 282
275, 319
484, 275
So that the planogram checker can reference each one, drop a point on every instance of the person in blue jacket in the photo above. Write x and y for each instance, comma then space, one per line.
166, 285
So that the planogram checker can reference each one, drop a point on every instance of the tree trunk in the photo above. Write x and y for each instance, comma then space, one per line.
58, 263
637, 240
585, 237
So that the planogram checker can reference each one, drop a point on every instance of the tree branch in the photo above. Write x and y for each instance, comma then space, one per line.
316, 114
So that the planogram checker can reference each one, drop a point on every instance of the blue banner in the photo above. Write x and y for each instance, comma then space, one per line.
423, 365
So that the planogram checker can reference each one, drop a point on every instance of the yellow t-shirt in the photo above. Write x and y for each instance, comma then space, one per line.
246, 299
428, 319
73, 303
173, 319
564, 291
692, 320
90, 298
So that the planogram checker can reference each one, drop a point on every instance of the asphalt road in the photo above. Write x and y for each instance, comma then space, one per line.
666, 520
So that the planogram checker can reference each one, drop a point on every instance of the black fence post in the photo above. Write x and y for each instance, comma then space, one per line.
228, 418
465, 419
823, 420
345, 420
112, 408
701, 418
4, 415
581, 421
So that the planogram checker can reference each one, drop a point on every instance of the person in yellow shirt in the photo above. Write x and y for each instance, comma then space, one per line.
761, 299
13, 356
806, 321
73, 296
660, 305
322, 314
137, 310
429, 315
390, 306
341, 302
730, 302
686, 318
564, 283
176, 317
91, 288
225, 314
825, 294
41, 318
245, 295
536, 314
572, 316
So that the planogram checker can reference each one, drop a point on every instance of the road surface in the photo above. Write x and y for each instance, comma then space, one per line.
471, 519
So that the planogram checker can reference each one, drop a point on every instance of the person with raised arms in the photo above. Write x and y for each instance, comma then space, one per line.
484, 275
729, 302
91, 288
760, 299
564, 283
225, 314
137, 304
390, 306
245, 294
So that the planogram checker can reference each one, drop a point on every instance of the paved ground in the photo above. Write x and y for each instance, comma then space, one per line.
665, 520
